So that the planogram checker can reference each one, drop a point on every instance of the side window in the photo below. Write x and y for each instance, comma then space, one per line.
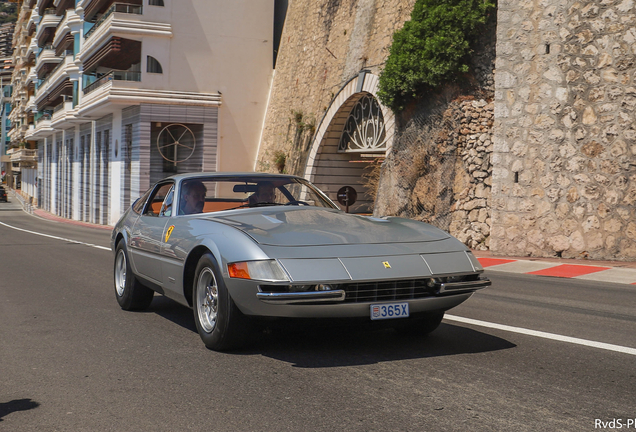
155, 2
155, 202
138, 206
166, 208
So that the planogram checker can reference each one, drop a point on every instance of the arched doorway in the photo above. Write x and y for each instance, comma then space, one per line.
355, 135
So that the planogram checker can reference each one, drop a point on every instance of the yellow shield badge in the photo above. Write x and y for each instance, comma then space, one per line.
170, 228
386, 264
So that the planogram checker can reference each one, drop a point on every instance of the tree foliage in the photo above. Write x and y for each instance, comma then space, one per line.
8, 12
431, 49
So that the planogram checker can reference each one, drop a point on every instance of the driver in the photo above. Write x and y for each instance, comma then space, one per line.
264, 193
192, 198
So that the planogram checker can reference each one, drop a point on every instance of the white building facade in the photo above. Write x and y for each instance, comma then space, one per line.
119, 95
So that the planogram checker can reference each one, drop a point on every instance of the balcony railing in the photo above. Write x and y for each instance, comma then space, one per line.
113, 75
58, 107
115, 7
24, 155
42, 115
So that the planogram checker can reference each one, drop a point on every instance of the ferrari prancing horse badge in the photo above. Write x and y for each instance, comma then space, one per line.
170, 228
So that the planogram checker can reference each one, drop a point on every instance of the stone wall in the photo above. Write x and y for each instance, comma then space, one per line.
324, 44
439, 168
564, 177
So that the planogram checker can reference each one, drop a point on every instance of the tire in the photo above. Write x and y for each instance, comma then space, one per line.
422, 326
130, 293
219, 322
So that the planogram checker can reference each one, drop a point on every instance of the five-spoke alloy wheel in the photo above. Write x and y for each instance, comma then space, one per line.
219, 322
130, 293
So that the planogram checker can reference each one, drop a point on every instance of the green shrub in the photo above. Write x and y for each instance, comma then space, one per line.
431, 49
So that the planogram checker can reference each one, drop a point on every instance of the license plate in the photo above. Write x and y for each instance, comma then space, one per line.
389, 311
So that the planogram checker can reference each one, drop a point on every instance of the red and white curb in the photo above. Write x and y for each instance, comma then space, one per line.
577, 271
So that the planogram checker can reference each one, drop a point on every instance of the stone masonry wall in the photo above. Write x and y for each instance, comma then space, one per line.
439, 169
564, 176
324, 44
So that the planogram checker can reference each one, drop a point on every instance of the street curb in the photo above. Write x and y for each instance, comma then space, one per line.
46, 215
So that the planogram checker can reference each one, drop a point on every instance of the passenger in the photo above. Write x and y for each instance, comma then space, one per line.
264, 193
192, 197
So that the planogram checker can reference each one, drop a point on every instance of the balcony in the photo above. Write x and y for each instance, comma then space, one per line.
62, 6
42, 125
23, 156
62, 113
32, 49
44, 5
63, 37
124, 8
31, 77
30, 105
114, 75
47, 27
46, 63
93, 9
32, 22
124, 21
55, 94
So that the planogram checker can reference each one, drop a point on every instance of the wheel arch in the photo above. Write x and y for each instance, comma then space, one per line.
119, 238
189, 268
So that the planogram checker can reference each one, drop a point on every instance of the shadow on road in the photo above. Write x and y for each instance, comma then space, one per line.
314, 346
351, 347
16, 405
172, 311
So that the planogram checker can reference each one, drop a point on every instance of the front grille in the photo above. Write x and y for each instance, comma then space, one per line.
387, 290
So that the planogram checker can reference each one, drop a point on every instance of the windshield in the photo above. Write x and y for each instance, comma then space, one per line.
210, 194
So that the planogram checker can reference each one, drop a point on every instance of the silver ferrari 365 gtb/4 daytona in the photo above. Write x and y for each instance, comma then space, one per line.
237, 246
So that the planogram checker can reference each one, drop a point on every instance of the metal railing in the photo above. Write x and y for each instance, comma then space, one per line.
42, 116
115, 75
24, 155
115, 7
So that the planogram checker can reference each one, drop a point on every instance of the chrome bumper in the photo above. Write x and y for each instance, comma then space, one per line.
302, 297
445, 287
339, 295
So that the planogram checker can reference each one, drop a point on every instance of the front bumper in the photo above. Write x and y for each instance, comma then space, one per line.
339, 295
333, 304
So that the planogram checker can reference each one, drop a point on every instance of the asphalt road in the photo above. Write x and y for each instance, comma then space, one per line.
72, 360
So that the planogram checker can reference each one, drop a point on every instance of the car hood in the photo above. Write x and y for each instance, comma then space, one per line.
311, 226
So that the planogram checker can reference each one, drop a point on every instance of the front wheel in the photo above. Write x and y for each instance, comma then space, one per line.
130, 293
219, 322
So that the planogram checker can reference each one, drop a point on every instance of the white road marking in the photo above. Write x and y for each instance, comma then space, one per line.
56, 237
552, 336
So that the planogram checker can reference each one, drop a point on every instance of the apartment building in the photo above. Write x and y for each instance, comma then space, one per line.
6, 39
116, 95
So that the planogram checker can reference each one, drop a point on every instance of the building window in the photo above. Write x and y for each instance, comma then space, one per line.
153, 66
155, 2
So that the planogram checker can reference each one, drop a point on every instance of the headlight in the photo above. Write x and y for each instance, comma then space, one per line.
268, 270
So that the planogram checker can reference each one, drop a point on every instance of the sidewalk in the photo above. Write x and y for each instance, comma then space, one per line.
46, 215
621, 272
27, 207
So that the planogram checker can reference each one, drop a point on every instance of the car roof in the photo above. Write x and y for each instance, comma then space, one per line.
180, 177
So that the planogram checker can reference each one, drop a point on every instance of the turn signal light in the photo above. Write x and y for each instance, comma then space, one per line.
265, 270
238, 270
